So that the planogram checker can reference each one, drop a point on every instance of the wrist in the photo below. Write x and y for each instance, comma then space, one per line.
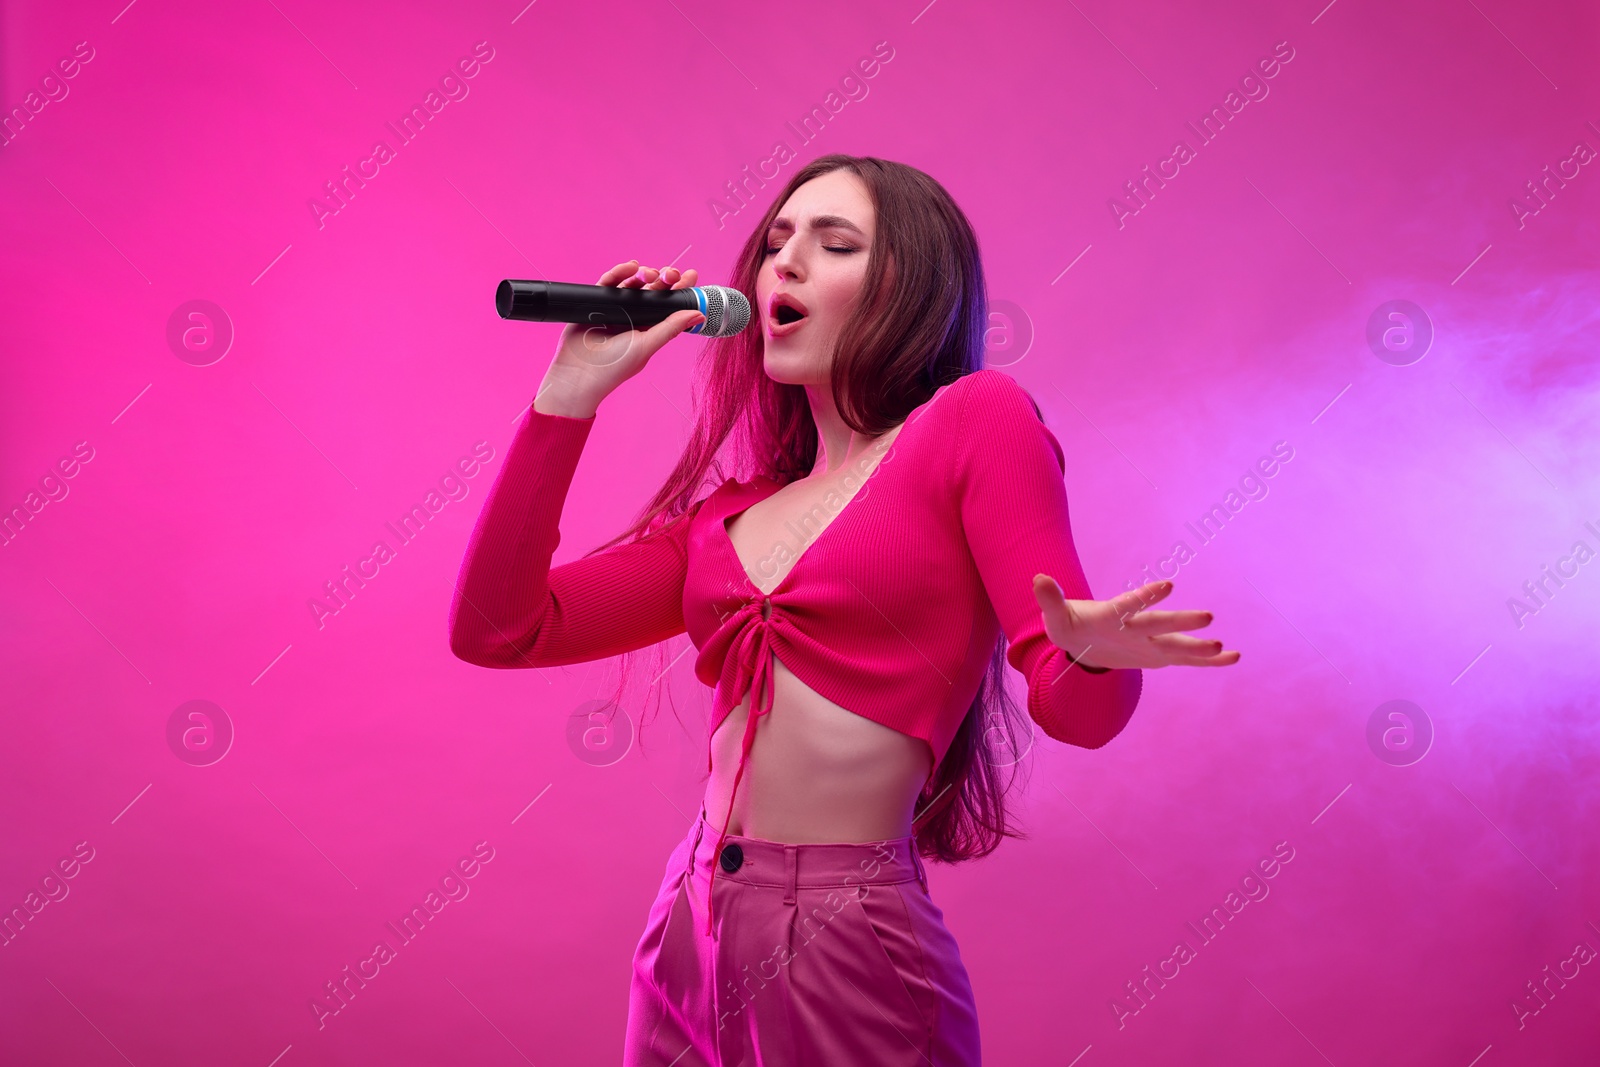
554, 400
1091, 668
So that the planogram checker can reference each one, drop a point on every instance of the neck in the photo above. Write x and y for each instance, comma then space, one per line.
837, 444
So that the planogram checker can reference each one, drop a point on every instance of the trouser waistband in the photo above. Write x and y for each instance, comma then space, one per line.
811, 865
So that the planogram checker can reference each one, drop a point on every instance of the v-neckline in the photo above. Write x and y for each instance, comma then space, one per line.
727, 538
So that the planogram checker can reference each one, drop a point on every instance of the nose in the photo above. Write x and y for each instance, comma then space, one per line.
786, 263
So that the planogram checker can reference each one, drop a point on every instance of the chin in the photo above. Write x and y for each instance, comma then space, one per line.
794, 368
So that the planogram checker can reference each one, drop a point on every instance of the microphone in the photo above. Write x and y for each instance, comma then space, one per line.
726, 310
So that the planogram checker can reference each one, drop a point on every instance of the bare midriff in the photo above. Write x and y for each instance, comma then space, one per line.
817, 772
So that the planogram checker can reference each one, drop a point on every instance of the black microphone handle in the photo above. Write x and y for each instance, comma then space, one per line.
594, 305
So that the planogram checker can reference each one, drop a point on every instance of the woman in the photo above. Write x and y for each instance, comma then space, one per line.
854, 621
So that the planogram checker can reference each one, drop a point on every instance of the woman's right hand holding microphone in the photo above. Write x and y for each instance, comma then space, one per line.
591, 361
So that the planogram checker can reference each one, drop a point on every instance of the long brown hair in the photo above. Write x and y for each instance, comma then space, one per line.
919, 325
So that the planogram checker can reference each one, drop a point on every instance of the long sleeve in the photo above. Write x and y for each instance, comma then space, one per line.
1007, 479
511, 609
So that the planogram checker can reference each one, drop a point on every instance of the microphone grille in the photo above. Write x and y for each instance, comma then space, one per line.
727, 311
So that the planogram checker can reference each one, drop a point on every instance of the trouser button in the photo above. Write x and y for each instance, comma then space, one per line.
732, 857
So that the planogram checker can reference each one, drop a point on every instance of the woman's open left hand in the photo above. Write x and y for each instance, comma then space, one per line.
1122, 632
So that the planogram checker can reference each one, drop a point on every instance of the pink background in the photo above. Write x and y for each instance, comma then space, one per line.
1228, 314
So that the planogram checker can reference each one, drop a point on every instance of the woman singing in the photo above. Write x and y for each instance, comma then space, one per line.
899, 535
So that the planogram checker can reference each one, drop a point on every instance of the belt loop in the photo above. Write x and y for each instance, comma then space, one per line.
790, 872
916, 859
694, 849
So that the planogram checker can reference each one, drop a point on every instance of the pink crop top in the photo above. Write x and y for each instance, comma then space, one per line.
892, 612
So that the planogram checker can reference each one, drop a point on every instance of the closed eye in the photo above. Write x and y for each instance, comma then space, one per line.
828, 248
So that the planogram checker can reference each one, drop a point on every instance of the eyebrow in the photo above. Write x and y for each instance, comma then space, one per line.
820, 222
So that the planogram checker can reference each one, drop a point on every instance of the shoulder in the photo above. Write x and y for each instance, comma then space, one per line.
993, 391
980, 395
988, 412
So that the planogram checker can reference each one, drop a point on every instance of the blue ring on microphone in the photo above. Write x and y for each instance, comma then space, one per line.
700, 297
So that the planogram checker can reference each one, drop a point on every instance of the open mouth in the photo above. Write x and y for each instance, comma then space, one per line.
785, 311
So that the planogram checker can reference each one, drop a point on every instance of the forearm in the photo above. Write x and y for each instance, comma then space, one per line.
502, 595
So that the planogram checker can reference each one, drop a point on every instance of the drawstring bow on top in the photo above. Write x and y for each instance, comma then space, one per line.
752, 651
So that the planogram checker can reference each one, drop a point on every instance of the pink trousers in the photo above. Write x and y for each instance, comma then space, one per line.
820, 954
